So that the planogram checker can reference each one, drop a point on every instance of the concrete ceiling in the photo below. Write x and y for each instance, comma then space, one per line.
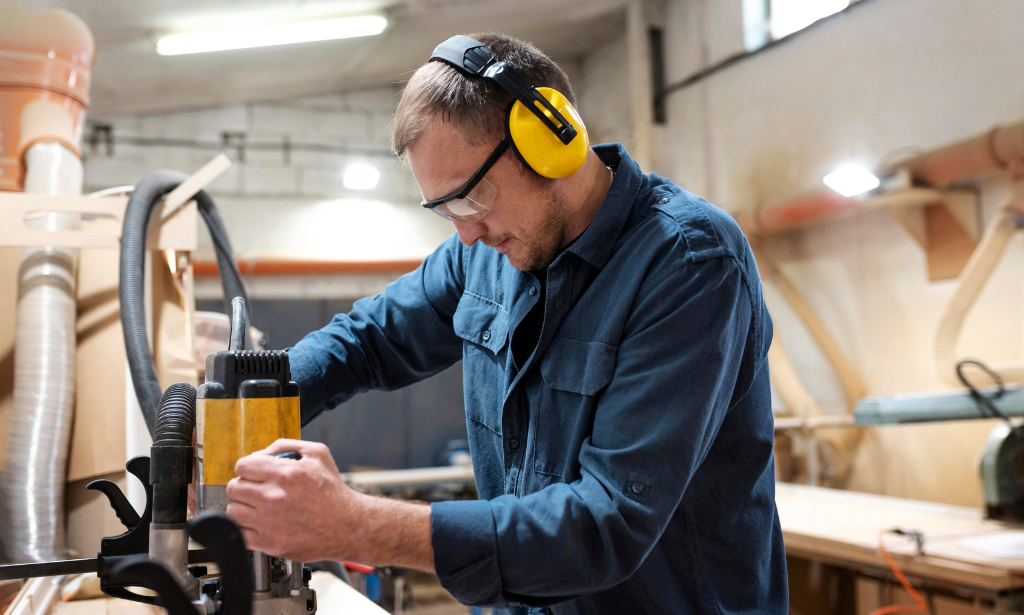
131, 78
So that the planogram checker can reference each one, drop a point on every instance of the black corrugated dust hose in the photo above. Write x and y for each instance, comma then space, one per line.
148, 192
171, 454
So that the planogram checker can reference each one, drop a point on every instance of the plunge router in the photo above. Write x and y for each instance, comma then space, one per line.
247, 402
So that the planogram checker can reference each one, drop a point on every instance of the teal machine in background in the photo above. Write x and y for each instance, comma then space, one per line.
1002, 465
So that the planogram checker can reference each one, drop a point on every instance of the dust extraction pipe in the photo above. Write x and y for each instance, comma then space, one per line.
998, 149
1007, 220
45, 64
148, 193
787, 383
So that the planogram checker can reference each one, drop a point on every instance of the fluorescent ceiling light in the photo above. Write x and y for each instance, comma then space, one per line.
361, 176
269, 35
851, 179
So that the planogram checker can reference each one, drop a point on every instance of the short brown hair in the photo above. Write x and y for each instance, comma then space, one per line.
477, 107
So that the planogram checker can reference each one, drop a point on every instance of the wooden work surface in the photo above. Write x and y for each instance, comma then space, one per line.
842, 527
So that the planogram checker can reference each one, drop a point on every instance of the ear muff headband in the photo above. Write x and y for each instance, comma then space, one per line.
550, 154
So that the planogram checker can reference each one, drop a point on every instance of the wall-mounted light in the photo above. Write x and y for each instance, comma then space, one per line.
851, 179
361, 176
271, 34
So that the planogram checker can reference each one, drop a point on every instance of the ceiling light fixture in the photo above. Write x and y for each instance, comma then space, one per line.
361, 176
851, 179
269, 35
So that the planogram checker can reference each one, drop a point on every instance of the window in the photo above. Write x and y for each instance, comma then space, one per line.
789, 16
770, 20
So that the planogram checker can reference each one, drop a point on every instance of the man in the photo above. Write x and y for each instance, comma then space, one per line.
614, 340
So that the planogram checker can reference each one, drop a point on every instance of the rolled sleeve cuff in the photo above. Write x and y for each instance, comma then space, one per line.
466, 552
312, 389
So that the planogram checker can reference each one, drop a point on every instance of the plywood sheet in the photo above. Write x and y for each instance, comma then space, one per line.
174, 227
172, 349
9, 258
98, 437
833, 525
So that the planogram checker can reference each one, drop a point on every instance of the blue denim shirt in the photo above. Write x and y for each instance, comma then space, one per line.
627, 467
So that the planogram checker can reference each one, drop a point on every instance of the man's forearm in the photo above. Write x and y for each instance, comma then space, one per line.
395, 533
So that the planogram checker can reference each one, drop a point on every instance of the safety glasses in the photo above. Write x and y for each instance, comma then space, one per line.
473, 200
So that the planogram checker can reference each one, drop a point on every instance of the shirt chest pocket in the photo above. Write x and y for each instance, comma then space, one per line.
574, 373
483, 324
578, 367
481, 321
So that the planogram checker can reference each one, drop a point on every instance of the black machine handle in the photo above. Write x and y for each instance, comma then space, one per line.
132, 544
155, 576
122, 507
289, 455
223, 539
136, 539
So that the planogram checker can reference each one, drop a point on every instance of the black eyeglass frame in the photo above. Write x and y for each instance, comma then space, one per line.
468, 187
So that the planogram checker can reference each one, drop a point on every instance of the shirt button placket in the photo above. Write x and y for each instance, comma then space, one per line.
514, 472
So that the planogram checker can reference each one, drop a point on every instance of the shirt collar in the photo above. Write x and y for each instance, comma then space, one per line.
595, 244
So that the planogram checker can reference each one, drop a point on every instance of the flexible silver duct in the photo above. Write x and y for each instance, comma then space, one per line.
35, 471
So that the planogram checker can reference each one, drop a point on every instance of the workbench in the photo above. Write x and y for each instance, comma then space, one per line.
840, 529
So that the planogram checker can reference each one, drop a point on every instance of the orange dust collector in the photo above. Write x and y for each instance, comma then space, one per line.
46, 61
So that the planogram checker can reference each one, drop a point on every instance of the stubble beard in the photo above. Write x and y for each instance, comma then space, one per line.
540, 246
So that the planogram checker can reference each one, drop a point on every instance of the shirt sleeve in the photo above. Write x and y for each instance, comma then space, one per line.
688, 354
387, 341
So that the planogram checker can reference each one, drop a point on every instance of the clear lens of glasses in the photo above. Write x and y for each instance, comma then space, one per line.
470, 209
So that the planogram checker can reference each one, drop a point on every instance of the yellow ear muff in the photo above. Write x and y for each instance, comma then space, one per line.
539, 147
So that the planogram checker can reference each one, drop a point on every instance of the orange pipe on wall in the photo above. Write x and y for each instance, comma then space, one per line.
802, 210
293, 267
1000, 148
46, 61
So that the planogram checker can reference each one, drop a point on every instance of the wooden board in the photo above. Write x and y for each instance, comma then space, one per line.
173, 228
9, 258
842, 526
97, 436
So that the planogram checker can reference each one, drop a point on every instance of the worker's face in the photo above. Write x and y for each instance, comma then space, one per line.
527, 220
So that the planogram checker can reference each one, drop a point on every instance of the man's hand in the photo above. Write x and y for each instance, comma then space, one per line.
302, 510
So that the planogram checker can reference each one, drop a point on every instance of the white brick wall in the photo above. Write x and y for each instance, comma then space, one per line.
345, 121
279, 205
274, 122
